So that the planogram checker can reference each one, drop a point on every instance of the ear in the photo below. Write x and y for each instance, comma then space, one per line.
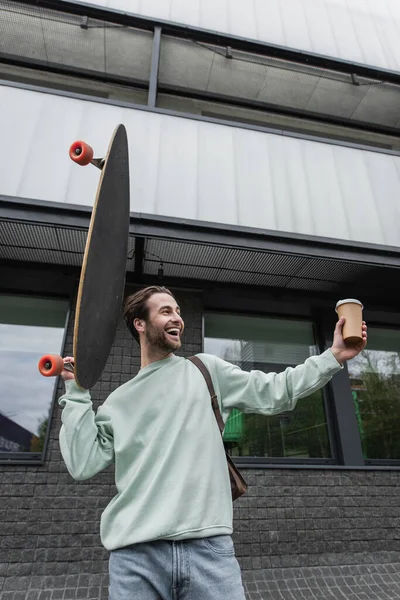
139, 325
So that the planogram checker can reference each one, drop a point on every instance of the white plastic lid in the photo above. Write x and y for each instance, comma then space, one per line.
347, 301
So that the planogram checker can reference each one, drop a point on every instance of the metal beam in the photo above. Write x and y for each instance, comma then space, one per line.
42, 212
263, 240
278, 110
344, 419
349, 442
139, 258
317, 315
155, 61
50, 67
201, 232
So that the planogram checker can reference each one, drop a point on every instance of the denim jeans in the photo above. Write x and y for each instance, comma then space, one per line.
195, 569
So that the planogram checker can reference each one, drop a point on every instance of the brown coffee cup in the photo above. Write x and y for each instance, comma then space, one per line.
351, 309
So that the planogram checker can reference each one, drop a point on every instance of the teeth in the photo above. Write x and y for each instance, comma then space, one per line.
172, 330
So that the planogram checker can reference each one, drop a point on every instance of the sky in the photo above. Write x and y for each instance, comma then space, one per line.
25, 395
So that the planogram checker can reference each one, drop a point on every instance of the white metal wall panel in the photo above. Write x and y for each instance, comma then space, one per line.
364, 31
198, 170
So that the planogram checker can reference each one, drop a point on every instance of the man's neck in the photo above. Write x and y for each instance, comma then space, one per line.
151, 355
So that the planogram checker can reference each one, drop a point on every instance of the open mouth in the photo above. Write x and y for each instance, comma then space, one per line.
174, 332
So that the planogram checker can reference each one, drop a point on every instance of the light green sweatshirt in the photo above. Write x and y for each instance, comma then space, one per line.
159, 429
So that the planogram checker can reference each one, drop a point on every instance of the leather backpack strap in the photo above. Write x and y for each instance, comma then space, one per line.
238, 484
214, 400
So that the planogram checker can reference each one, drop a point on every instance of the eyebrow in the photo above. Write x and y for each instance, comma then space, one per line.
168, 306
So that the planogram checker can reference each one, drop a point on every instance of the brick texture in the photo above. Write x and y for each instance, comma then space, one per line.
290, 519
353, 582
307, 518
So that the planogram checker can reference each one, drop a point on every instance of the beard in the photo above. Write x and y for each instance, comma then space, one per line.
158, 338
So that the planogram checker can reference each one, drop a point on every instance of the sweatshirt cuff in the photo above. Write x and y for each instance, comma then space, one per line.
72, 387
72, 390
330, 364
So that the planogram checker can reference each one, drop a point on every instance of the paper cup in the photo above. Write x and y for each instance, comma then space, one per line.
351, 309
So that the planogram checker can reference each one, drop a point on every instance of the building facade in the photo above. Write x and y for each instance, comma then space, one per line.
264, 144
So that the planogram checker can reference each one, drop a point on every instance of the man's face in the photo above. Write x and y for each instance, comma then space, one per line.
164, 326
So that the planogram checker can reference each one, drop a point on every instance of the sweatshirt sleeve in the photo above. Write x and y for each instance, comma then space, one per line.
273, 393
86, 437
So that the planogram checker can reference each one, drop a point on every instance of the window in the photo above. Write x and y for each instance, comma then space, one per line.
375, 383
270, 344
74, 53
73, 84
58, 39
281, 123
29, 328
210, 79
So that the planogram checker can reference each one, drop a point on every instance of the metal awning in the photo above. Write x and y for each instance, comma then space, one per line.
206, 253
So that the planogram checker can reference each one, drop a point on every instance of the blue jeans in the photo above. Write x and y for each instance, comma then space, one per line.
196, 569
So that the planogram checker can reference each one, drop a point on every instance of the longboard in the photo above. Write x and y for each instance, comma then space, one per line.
102, 279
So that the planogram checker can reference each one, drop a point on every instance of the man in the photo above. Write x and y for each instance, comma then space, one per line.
169, 526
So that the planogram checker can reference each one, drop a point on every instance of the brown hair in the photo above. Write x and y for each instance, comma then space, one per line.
136, 306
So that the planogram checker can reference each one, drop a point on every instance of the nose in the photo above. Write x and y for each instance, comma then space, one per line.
178, 319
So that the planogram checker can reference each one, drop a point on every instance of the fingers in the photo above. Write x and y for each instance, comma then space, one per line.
339, 325
68, 371
342, 320
69, 363
364, 330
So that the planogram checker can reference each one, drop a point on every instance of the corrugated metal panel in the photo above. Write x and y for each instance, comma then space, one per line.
199, 170
229, 265
30, 242
57, 244
364, 31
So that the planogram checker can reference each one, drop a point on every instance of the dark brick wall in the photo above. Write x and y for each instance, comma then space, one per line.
49, 536
301, 518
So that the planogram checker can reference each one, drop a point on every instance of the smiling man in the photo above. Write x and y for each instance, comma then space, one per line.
169, 526
154, 319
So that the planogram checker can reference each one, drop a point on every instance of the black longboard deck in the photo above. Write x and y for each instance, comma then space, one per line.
102, 281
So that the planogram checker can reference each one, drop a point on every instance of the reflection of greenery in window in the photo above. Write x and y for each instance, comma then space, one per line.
29, 328
375, 382
269, 345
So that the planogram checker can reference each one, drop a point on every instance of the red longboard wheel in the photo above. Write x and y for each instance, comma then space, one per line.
81, 153
51, 365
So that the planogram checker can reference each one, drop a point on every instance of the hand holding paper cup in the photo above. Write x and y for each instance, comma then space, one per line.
351, 309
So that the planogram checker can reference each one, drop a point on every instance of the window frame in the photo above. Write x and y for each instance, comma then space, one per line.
343, 431
38, 458
386, 462
266, 462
